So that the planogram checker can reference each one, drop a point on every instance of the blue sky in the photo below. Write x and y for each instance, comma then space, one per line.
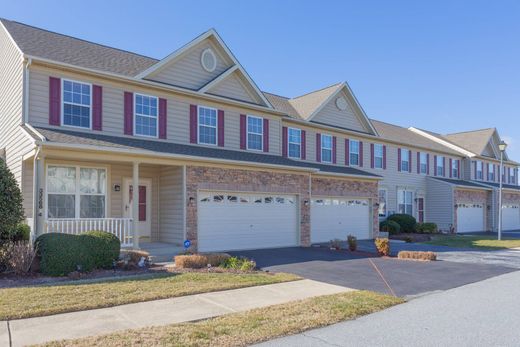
446, 66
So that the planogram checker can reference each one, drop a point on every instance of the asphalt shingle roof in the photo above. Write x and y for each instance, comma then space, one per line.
119, 142
497, 185
460, 182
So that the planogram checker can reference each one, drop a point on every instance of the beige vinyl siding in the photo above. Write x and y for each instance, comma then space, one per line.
171, 209
11, 100
27, 187
234, 88
186, 71
178, 123
439, 203
331, 114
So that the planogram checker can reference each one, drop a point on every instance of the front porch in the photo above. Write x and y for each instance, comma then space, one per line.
96, 192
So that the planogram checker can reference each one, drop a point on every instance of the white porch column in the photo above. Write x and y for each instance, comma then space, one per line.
39, 195
135, 205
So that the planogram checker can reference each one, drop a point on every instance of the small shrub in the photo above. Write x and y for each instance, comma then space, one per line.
199, 261
11, 209
426, 228
335, 244
428, 256
134, 255
239, 263
21, 232
390, 227
382, 246
408, 239
405, 221
20, 256
352, 243
63, 253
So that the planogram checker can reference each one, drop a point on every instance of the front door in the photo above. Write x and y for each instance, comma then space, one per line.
420, 210
144, 196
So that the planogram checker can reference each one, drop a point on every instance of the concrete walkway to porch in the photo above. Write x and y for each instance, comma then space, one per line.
155, 313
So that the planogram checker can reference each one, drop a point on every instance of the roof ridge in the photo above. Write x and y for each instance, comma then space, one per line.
77, 38
470, 131
395, 125
318, 90
278, 95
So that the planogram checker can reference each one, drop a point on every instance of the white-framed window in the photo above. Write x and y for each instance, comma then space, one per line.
378, 156
294, 143
382, 202
353, 148
423, 164
405, 160
439, 166
76, 104
207, 127
491, 172
455, 168
512, 171
405, 202
76, 192
480, 172
146, 115
326, 148
255, 133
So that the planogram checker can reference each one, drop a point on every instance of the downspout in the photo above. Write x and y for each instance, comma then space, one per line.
27, 64
36, 174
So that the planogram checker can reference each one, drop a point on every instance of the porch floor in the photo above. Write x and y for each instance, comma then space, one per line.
161, 252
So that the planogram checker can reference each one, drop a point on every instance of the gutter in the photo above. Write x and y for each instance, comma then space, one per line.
25, 98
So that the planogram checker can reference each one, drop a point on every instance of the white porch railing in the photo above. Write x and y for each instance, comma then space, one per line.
121, 227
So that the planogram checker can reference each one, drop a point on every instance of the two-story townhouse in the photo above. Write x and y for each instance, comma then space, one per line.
192, 131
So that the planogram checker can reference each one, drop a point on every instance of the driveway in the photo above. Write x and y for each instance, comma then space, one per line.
480, 314
405, 278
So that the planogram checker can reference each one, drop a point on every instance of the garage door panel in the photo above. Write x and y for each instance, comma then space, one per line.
470, 218
510, 217
234, 221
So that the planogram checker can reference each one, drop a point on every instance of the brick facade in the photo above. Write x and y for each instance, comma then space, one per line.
510, 198
352, 189
461, 196
213, 178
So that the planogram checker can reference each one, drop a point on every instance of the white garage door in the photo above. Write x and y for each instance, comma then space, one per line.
334, 218
470, 217
234, 221
511, 217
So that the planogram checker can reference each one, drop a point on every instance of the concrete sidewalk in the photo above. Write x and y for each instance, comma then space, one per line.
160, 312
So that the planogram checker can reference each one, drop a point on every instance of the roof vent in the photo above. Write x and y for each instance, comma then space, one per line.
208, 60
341, 103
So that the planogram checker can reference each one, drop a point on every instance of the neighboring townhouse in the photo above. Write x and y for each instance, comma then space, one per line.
215, 160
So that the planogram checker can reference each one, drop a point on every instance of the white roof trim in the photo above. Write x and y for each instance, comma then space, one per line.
342, 86
442, 142
179, 52
218, 79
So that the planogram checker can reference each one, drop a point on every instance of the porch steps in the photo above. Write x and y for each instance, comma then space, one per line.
160, 252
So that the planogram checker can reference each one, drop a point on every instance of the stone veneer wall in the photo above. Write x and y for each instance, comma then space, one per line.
352, 189
214, 178
461, 196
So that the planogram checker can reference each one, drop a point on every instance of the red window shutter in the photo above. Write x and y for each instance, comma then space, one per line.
418, 162
318, 147
54, 101
129, 113
399, 159
451, 171
435, 165
97, 108
142, 203
360, 153
243, 133
410, 161
163, 118
428, 163
334, 150
220, 128
303, 150
372, 155
284, 141
193, 123
266, 135
347, 152
384, 157
458, 168
475, 172
443, 166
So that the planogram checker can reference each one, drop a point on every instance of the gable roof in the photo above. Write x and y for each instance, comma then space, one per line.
70, 50
474, 141
64, 137
408, 137
306, 105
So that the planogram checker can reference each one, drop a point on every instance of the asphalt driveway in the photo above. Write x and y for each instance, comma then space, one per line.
365, 271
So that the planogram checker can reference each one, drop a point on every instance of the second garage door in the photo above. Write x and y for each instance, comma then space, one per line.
511, 217
333, 218
470, 217
236, 221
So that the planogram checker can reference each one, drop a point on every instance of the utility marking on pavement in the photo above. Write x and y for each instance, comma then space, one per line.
382, 277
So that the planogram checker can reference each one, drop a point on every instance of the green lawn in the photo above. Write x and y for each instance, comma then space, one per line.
485, 242
246, 328
33, 301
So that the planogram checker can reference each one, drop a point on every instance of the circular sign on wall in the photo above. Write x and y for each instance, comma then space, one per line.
341, 103
187, 244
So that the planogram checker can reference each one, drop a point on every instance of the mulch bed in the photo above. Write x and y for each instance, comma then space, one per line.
413, 237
